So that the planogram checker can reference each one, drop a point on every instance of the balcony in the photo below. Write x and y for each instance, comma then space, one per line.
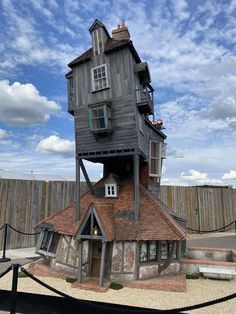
144, 100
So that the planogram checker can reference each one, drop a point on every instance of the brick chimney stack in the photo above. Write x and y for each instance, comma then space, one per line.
121, 33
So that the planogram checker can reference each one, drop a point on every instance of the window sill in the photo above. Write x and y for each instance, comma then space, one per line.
45, 253
101, 89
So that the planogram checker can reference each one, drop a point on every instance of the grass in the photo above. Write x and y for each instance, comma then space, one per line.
192, 276
21, 275
71, 280
116, 286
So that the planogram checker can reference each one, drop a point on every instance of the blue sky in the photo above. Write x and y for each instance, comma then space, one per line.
190, 47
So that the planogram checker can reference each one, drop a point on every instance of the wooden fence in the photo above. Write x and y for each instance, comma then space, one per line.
24, 203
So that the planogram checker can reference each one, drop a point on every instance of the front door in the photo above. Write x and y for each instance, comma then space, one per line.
96, 258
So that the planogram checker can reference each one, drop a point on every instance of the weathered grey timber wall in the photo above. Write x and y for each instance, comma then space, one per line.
24, 203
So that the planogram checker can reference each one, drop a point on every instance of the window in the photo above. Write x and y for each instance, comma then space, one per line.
97, 41
50, 241
148, 251
70, 87
111, 190
166, 248
99, 77
100, 117
155, 158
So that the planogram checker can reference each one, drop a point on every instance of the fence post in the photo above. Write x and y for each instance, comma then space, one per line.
235, 226
14, 287
4, 258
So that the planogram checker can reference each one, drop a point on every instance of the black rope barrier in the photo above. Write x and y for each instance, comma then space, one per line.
209, 231
5, 272
176, 310
24, 233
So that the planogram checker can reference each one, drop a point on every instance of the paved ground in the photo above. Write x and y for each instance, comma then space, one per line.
18, 256
215, 241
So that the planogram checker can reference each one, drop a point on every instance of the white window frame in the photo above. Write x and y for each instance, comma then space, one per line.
97, 79
108, 190
158, 159
97, 48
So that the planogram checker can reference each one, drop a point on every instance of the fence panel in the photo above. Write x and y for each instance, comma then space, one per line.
24, 203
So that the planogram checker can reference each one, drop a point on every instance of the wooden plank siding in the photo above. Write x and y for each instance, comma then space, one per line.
24, 203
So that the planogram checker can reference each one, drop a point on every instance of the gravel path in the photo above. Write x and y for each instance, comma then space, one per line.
198, 291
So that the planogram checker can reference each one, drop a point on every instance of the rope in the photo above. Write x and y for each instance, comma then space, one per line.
25, 233
116, 310
214, 230
6, 271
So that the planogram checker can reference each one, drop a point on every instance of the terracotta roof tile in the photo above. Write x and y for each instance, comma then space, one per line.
116, 215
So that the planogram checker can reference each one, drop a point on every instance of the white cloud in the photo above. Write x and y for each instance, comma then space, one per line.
223, 109
22, 105
229, 175
55, 145
3, 134
194, 175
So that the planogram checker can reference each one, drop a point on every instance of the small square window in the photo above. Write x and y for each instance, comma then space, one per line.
110, 190
49, 242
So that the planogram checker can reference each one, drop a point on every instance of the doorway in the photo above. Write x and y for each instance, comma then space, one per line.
96, 258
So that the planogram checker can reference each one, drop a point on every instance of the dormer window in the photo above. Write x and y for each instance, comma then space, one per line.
99, 78
97, 41
111, 186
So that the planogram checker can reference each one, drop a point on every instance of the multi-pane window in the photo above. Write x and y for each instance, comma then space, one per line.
49, 241
100, 117
70, 88
166, 248
99, 77
111, 190
148, 251
155, 158
97, 41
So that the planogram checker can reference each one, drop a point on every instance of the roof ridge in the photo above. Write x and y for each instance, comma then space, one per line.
167, 217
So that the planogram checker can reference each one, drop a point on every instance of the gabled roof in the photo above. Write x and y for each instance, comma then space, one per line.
116, 216
97, 24
110, 46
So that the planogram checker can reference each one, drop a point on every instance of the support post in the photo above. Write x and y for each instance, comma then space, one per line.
80, 262
235, 226
14, 287
102, 265
77, 189
136, 187
4, 258
90, 187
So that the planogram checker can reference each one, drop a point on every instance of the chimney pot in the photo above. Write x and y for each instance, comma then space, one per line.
121, 32
123, 23
118, 26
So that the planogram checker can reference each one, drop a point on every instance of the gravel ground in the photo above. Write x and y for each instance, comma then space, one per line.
198, 291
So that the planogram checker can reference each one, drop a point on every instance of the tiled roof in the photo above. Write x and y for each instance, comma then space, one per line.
116, 215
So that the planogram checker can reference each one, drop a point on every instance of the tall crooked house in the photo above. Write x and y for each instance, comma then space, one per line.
119, 229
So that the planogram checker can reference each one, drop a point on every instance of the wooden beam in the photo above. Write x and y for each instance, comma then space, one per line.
80, 262
102, 265
90, 187
136, 187
77, 189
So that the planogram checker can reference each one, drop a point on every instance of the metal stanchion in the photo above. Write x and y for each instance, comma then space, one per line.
4, 258
14, 287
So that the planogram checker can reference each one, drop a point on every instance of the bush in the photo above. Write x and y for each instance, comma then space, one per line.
116, 286
21, 275
192, 276
70, 280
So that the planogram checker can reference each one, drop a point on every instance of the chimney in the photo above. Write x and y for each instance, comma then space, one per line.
121, 32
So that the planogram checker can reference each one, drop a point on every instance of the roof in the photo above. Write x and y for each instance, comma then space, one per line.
116, 216
110, 46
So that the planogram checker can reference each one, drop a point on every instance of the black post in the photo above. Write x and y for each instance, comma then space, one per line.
235, 226
4, 258
14, 287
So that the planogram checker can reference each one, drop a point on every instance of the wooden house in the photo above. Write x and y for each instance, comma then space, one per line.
119, 230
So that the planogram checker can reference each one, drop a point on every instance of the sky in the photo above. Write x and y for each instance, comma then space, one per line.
190, 48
